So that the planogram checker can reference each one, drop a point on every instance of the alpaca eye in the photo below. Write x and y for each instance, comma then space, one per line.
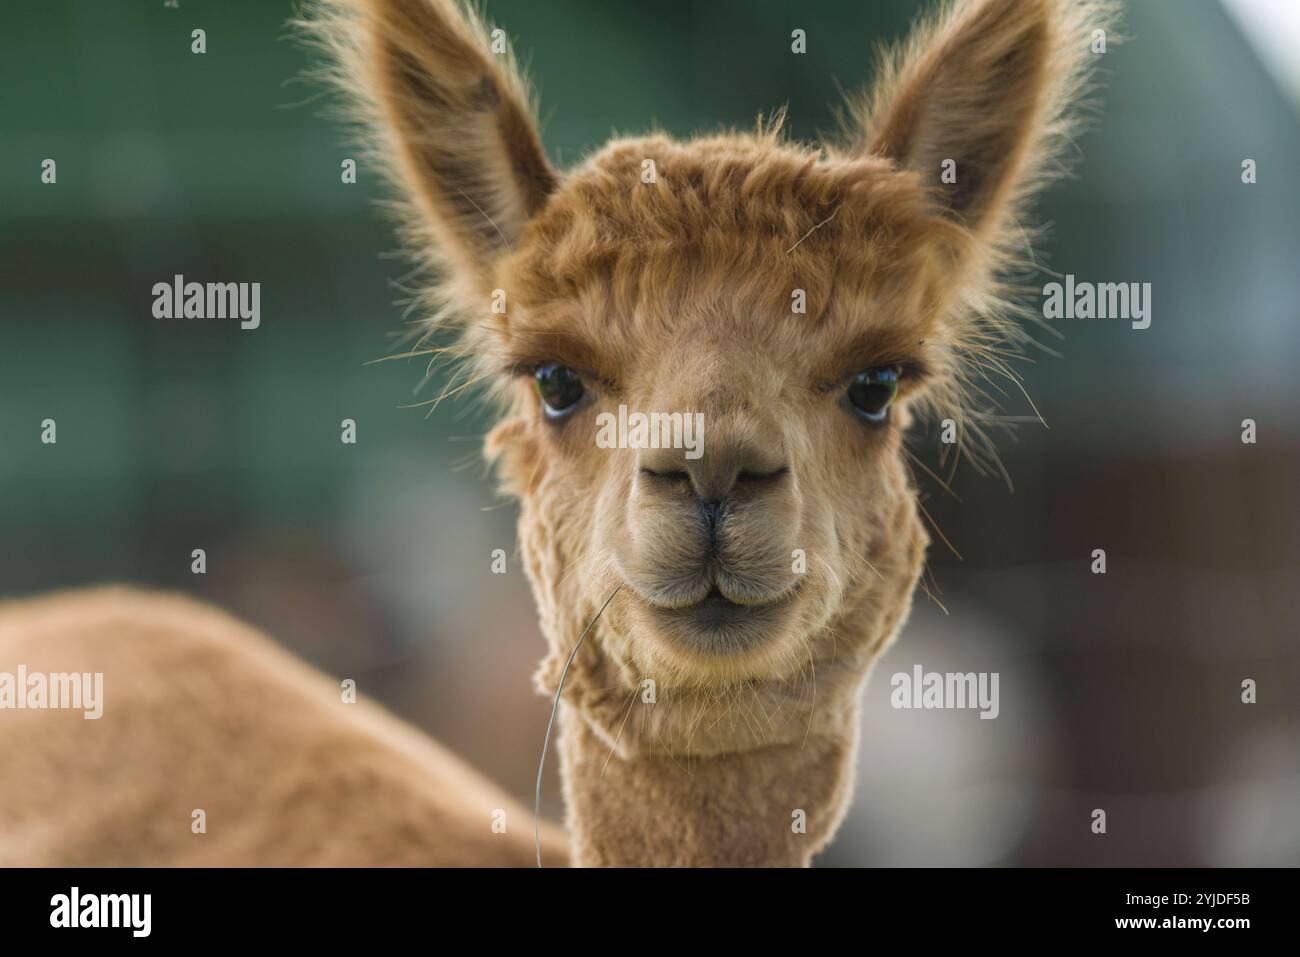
872, 392
560, 389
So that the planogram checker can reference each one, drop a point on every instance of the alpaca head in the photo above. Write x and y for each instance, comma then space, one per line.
805, 304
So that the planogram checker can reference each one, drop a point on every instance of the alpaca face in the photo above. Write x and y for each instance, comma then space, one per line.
805, 303
693, 295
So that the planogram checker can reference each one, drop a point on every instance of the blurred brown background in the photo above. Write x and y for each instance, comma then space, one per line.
1119, 691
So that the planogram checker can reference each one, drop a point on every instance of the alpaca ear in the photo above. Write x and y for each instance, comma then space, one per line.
983, 94
450, 106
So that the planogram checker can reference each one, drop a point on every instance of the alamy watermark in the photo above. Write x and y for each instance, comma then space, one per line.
651, 430
75, 909
179, 299
58, 690
952, 690
1102, 300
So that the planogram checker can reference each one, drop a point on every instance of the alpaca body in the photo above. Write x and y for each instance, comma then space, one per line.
202, 712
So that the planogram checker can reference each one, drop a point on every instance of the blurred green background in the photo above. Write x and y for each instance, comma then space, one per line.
373, 560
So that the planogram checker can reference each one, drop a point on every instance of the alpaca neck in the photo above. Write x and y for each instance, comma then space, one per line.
756, 775
769, 805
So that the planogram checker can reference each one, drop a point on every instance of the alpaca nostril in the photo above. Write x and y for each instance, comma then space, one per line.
758, 479
672, 475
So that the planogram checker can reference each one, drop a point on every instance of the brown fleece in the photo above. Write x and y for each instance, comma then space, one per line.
200, 712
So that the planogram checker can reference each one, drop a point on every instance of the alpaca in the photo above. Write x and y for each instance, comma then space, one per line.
730, 604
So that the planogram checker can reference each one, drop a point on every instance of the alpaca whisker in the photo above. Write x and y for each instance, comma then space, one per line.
413, 354
810, 232
618, 737
863, 558
930, 472
812, 709
926, 589
555, 707
939, 531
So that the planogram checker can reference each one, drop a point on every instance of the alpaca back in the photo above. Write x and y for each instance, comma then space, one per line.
202, 712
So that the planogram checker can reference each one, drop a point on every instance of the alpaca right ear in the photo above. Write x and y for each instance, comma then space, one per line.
454, 114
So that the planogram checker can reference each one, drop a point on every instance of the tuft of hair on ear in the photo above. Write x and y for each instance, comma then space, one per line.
993, 92
441, 109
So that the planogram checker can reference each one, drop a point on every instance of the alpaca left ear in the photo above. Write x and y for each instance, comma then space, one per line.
983, 94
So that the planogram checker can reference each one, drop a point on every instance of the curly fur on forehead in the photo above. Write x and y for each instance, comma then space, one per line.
728, 202
755, 186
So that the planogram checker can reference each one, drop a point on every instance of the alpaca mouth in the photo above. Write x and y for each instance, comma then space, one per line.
717, 625
716, 609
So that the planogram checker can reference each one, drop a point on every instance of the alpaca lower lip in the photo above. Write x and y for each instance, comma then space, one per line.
716, 608
718, 625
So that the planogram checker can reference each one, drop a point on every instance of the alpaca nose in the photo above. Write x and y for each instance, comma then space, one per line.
726, 471
731, 470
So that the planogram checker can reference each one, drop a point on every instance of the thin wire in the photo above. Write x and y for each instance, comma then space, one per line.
546, 743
